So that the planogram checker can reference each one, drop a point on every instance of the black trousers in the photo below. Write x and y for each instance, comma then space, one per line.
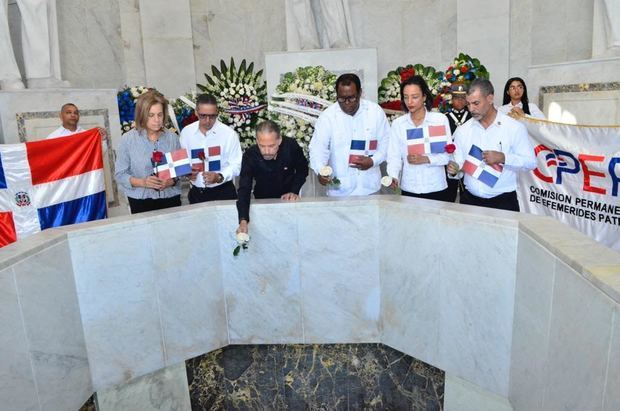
505, 201
150, 204
226, 191
443, 195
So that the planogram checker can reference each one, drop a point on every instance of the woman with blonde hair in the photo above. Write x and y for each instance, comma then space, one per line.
140, 150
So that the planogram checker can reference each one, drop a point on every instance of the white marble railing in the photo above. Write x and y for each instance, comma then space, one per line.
520, 305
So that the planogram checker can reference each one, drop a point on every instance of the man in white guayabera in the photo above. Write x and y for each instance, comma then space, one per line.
70, 118
39, 44
350, 142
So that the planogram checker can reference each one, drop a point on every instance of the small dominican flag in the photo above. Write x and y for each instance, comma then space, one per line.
361, 148
427, 140
175, 164
213, 158
50, 183
197, 154
478, 169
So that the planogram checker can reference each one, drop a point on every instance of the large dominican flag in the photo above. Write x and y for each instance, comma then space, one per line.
427, 140
50, 183
478, 169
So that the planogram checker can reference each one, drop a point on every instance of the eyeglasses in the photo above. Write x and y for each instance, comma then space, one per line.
206, 116
349, 99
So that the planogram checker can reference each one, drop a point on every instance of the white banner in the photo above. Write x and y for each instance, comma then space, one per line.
577, 179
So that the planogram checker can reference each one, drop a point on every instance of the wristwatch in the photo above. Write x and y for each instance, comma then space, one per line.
221, 178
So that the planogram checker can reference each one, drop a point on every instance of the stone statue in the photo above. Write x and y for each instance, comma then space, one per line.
314, 24
39, 46
606, 29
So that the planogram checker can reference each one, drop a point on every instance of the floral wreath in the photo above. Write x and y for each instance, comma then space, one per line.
300, 98
241, 95
389, 90
463, 70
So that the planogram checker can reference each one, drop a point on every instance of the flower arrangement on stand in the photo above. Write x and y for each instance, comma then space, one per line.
126, 99
300, 98
389, 90
242, 97
464, 69
183, 108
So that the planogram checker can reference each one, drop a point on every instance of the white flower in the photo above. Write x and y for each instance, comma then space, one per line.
243, 238
386, 181
326, 171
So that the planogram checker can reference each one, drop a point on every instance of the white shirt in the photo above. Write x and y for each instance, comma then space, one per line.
331, 145
220, 136
417, 178
505, 134
62, 132
534, 110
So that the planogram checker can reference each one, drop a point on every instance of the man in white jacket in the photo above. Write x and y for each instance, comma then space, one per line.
350, 136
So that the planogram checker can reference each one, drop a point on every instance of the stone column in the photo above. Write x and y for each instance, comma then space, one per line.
168, 46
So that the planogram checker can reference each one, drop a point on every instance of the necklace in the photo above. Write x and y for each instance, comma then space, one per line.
154, 141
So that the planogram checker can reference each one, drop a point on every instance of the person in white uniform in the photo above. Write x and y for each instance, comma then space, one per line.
417, 145
351, 136
504, 145
70, 118
516, 101
215, 152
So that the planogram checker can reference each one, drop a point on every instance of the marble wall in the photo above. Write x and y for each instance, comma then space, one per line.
518, 305
241, 29
120, 41
561, 31
564, 78
478, 22
91, 43
168, 46
565, 328
163, 390
44, 359
467, 330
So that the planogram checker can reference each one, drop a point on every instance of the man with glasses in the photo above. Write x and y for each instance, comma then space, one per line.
352, 138
215, 153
